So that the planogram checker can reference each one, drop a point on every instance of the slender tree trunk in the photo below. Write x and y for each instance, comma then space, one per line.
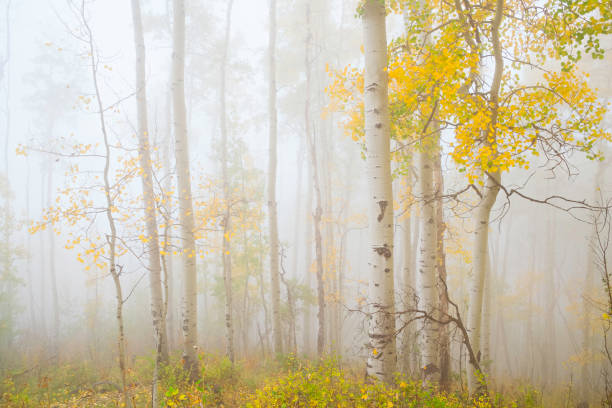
486, 320
272, 164
308, 349
52, 272
382, 354
183, 175
5, 73
227, 226
31, 305
444, 339
549, 357
148, 196
111, 237
314, 172
407, 338
167, 260
483, 212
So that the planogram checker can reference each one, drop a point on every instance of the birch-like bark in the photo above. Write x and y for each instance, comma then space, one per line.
486, 321
476, 381
444, 359
272, 164
227, 220
148, 194
183, 176
382, 357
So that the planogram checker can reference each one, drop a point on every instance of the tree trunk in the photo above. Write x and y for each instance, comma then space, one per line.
148, 194
52, 272
483, 212
314, 172
382, 354
272, 205
227, 221
111, 237
444, 339
183, 175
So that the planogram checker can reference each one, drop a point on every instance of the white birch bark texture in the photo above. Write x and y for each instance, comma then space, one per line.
183, 176
381, 332
148, 195
227, 226
476, 381
272, 164
427, 243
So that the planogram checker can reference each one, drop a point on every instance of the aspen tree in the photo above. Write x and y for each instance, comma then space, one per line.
183, 176
272, 164
227, 216
148, 194
381, 331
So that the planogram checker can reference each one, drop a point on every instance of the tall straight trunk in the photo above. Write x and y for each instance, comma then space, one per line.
427, 252
490, 190
4, 74
167, 260
148, 194
549, 357
307, 327
183, 176
444, 337
407, 271
314, 172
382, 354
227, 227
52, 272
111, 236
272, 164
43, 269
486, 321
28, 256
426, 264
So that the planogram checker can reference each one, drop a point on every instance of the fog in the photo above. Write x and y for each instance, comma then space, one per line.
230, 209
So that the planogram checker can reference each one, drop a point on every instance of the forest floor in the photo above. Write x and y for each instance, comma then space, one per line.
284, 382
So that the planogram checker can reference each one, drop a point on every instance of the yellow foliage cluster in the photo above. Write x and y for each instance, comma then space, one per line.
439, 82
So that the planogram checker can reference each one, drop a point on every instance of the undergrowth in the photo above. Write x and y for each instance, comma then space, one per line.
284, 382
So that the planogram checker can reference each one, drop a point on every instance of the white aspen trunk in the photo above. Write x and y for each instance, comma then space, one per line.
549, 357
486, 321
43, 270
427, 253
476, 382
227, 221
382, 357
407, 267
28, 257
52, 272
426, 266
444, 359
183, 176
148, 194
272, 164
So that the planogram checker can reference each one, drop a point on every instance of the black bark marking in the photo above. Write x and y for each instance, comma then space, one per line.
383, 208
384, 251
